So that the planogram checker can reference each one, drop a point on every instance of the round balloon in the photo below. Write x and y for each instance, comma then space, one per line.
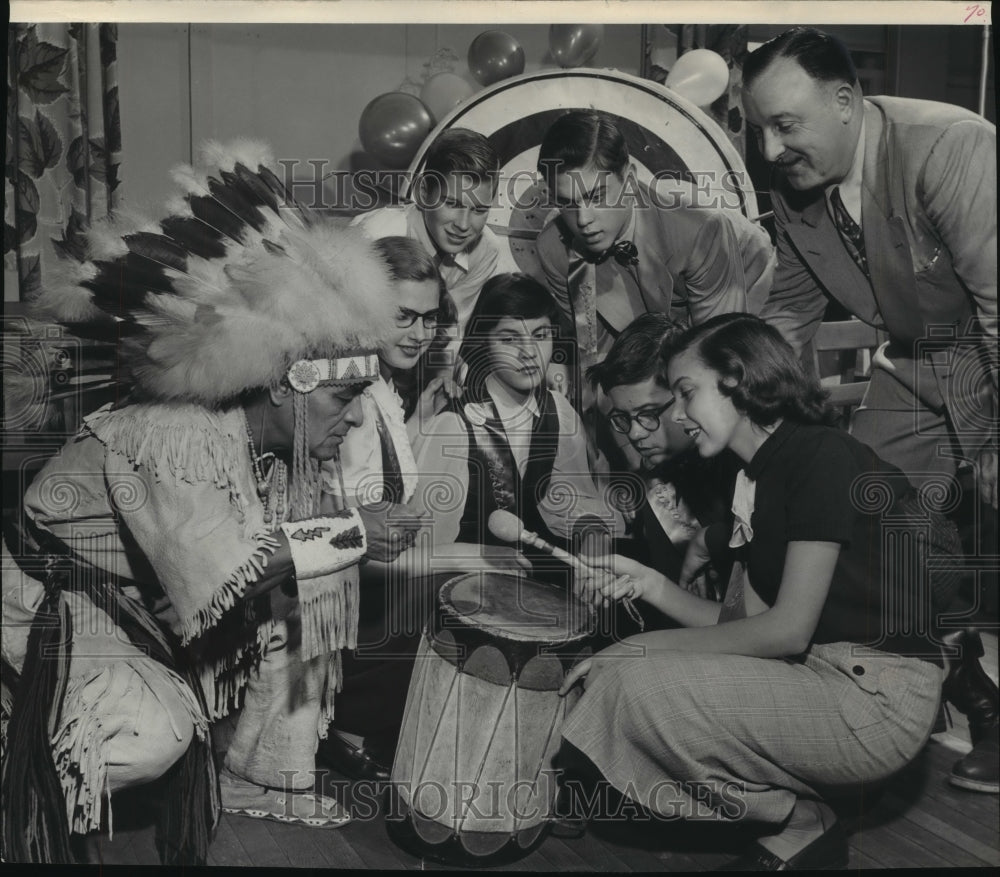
573, 45
393, 126
495, 55
443, 92
700, 75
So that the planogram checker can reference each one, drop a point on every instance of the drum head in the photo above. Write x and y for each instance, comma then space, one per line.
671, 142
514, 607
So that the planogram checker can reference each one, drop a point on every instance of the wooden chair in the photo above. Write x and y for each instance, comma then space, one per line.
842, 357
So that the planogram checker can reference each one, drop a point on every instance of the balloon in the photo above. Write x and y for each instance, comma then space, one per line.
495, 55
700, 75
443, 92
573, 45
393, 126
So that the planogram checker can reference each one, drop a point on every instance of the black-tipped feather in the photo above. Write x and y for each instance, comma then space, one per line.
194, 236
253, 184
157, 248
120, 286
247, 192
235, 202
282, 196
215, 215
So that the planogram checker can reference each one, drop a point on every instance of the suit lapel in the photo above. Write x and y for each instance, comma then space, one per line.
819, 243
653, 238
889, 260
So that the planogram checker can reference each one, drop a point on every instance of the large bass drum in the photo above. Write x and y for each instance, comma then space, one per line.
675, 146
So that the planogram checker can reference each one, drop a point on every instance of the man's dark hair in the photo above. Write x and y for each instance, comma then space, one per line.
823, 57
578, 139
637, 353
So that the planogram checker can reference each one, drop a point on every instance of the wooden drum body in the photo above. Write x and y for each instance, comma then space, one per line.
474, 781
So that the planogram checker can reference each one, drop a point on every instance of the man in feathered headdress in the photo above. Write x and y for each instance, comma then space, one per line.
183, 569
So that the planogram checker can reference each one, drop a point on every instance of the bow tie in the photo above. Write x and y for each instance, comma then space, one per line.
623, 252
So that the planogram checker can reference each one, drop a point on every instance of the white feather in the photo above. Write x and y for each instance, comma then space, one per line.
244, 150
192, 180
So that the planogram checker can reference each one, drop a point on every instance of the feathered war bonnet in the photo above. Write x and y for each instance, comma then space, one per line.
237, 288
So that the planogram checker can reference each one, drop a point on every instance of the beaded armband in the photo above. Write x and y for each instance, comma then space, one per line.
324, 545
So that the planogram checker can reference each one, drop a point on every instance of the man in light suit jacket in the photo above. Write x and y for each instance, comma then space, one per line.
619, 249
888, 206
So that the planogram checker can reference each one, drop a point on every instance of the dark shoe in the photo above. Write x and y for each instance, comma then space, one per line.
355, 763
828, 852
568, 827
968, 686
979, 769
569, 820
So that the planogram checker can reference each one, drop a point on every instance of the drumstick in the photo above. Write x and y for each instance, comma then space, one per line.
510, 528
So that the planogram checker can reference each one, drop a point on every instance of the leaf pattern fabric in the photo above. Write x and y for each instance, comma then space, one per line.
63, 143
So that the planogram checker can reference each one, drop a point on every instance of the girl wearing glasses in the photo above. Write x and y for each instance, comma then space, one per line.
376, 465
376, 461
509, 443
815, 672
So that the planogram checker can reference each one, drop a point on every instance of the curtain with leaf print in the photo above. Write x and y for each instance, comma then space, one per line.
63, 143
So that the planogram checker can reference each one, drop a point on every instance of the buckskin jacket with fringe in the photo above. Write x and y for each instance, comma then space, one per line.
163, 495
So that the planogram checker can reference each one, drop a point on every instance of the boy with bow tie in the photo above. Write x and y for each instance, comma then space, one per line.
618, 249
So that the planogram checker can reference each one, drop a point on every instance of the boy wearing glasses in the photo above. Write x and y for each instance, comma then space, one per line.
683, 492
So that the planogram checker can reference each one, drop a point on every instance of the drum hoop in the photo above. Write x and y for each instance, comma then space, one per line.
511, 633
714, 134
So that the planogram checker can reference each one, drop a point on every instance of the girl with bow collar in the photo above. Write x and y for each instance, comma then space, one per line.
809, 675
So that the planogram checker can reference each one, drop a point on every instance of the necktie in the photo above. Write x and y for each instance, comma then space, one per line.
623, 252
581, 283
850, 231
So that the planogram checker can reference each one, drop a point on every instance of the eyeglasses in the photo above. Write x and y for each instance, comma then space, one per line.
648, 420
406, 318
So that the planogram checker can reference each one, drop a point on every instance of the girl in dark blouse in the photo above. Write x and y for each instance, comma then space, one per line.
815, 671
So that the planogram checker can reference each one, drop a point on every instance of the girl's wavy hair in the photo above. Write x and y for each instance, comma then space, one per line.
757, 369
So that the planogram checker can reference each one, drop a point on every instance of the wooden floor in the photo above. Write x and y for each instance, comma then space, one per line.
917, 821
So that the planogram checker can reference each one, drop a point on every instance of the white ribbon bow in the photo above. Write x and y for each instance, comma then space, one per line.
744, 497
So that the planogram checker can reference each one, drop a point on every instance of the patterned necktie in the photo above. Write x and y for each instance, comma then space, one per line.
623, 252
850, 232
581, 283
